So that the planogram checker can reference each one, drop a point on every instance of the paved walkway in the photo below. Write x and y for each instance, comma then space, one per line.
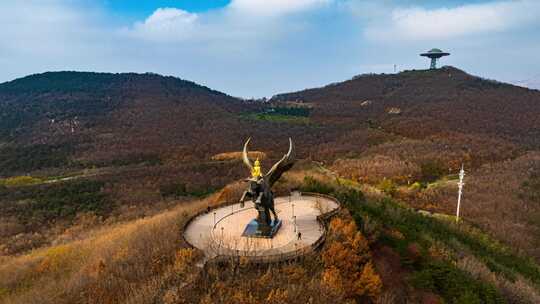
220, 231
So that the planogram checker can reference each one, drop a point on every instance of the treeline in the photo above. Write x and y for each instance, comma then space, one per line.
44, 203
34, 157
60, 82
178, 189
149, 159
25, 159
292, 111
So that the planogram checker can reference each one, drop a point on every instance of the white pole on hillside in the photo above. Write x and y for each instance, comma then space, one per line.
460, 191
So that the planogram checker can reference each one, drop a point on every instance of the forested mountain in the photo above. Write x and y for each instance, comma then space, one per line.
99, 117
427, 102
45, 108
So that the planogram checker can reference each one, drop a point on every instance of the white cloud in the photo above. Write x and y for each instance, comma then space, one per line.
241, 26
23, 24
166, 24
442, 23
45, 35
268, 8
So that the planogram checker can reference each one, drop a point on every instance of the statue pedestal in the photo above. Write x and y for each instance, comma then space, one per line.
254, 229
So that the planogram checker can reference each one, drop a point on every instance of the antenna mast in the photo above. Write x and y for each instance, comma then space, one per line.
460, 191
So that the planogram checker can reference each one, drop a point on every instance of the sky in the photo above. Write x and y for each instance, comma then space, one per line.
258, 48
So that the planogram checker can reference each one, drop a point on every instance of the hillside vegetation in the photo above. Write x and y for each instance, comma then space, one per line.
94, 165
377, 251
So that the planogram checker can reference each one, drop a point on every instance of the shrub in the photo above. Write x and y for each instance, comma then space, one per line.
3, 190
35, 157
530, 189
185, 259
432, 171
149, 159
374, 168
387, 186
174, 189
313, 185
56, 259
347, 262
417, 186
369, 283
20, 181
61, 200
454, 285
200, 191
292, 111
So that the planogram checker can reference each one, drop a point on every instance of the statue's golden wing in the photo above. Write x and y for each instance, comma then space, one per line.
283, 165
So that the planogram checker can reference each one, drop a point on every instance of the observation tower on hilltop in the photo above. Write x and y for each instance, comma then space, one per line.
434, 55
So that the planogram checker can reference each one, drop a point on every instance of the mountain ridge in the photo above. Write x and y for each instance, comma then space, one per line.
48, 107
441, 100
53, 79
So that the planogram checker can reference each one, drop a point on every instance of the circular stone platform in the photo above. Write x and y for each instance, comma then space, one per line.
219, 232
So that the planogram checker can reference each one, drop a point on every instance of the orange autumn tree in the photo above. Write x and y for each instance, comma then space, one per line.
348, 269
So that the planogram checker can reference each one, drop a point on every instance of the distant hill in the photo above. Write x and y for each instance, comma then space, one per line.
120, 111
79, 119
56, 98
103, 118
427, 102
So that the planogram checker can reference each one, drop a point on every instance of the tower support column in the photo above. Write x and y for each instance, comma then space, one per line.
433, 63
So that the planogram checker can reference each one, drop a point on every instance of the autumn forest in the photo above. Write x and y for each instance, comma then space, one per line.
94, 166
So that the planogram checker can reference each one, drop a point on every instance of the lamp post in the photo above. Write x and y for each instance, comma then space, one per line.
460, 191
220, 240
222, 234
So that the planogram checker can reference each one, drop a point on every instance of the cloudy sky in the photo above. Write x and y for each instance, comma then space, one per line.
255, 48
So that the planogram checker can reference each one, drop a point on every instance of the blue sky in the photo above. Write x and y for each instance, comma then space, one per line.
143, 8
255, 48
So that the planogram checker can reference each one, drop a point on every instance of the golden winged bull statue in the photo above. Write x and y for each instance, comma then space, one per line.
260, 192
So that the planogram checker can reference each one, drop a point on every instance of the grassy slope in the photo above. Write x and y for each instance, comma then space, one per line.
458, 262
112, 263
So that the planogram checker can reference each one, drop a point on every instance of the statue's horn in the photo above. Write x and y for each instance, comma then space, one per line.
286, 158
245, 157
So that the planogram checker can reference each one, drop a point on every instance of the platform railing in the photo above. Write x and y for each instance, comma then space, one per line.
207, 210
322, 219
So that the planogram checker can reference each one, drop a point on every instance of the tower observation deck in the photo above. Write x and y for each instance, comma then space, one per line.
434, 55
